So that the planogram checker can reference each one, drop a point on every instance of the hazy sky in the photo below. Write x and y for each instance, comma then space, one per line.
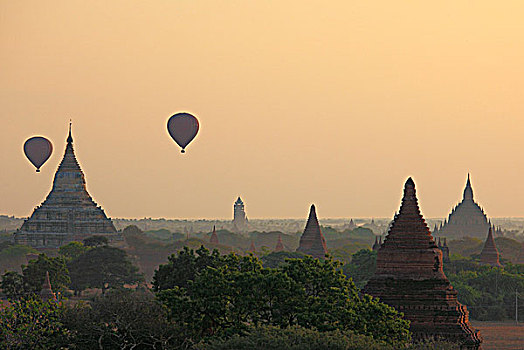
328, 102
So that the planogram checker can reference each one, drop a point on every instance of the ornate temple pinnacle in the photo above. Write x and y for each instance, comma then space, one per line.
312, 211
70, 138
409, 190
468, 191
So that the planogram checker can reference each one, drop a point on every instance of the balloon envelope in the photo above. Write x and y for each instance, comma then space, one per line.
38, 150
183, 128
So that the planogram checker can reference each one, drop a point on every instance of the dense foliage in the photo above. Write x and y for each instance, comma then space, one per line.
29, 323
362, 267
212, 295
488, 292
102, 267
77, 268
121, 319
16, 285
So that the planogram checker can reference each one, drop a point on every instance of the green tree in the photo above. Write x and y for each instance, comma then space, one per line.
488, 292
72, 250
32, 324
104, 268
294, 338
34, 273
275, 259
183, 266
13, 285
362, 267
95, 241
122, 319
238, 293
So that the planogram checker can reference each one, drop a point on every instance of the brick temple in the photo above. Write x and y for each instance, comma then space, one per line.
410, 278
68, 213
240, 221
466, 219
490, 253
312, 241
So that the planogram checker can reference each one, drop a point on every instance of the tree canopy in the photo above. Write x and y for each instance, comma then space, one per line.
102, 267
220, 295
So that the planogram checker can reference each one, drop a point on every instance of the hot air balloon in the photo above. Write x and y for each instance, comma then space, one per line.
38, 149
183, 128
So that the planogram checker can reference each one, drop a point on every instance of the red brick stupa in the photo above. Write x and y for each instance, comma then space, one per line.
279, 247
312, 241
47, 293
252, 248
490, 254
214, 237
409, 277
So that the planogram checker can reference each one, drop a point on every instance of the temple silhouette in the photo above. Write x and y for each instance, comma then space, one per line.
214, 237
312, 241
240, 221
68, 213
466, 219
410, 278
490, 253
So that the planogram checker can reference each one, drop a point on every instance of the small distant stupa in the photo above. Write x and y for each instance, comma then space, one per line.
443, 246
252, 247
352, 225
47, 293
312, 241
377, 244
279, 247
466, 219
214, 237
490, 254
410, 278
240, 221
68, 213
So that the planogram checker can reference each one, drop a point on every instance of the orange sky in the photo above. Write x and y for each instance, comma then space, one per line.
328, 102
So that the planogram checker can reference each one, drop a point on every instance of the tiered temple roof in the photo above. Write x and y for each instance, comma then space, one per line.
490, 253
68, 213
240, 221
410, 278
312, 241
466, 219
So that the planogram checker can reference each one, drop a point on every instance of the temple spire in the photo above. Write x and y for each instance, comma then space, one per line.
468, 191
70, 138
312, 241
47, 293
214, 237
490, 253
376, 245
